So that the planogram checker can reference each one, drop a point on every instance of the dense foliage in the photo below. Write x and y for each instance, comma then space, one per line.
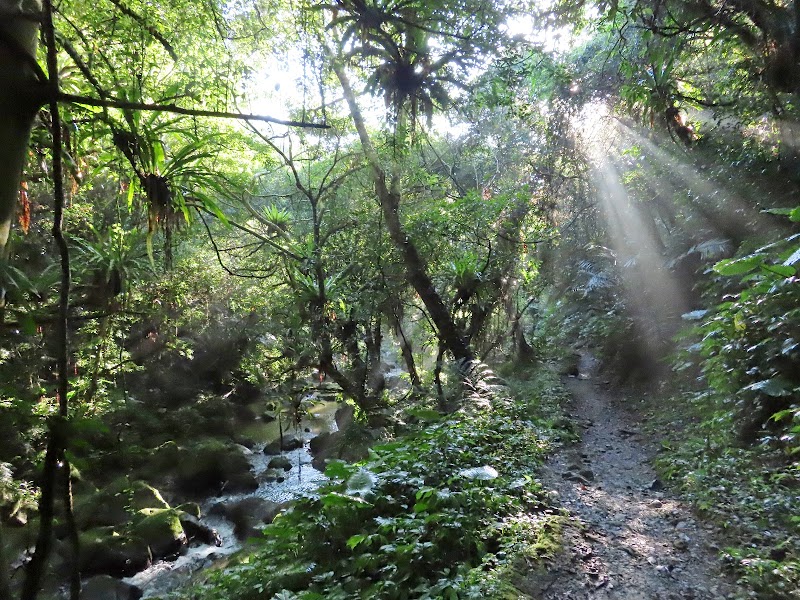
445, 512
447, 182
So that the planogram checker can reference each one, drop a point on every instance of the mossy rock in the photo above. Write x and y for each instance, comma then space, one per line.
249, 515
105, 587
122, 551
111, 551
211, 466
117, 503
161, 530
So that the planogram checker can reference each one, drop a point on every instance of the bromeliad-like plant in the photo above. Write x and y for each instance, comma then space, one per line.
172, 180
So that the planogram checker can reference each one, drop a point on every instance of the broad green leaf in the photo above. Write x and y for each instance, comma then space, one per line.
738, 266
775, 387
484, 473
783, 270
28, 324
355, 540
338, 469
131, 192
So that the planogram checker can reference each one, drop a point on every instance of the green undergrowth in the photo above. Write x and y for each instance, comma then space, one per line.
751, 493
448, 510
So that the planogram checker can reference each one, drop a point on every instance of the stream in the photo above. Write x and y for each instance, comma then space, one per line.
164, 576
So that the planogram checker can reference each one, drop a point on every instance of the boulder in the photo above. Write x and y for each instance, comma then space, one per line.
280, 462
248, 515
287, 442
344, 416
161, 530
116, 503
105, 587
324, 443
106, 551
198, 532
273, 476
213, 466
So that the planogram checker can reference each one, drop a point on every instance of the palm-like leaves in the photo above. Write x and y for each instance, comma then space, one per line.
394, 36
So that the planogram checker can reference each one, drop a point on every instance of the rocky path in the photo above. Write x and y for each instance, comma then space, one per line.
627, 538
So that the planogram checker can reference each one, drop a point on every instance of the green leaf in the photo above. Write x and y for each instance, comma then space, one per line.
484, 473
338, 499
131, 192
361, 483
738, 266
426, 415
338, 469
775, 387
783, 270
355, 540
28, 324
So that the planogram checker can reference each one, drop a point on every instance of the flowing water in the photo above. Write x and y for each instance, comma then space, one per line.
166, 576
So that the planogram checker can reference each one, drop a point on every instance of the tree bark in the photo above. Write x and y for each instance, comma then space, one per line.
55, 457
21, 96
405, 348
415, 266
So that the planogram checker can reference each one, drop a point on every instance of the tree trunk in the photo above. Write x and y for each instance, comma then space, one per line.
415, 266
21, 95
406, 349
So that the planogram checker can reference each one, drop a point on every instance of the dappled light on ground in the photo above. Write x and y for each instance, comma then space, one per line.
628, 538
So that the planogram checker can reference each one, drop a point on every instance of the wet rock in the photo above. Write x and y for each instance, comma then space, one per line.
323, 442
344, 416
587, 474
287, 442
105, 587
161, 530
273, 476
105, 551
199, 532
280, 462
244, 449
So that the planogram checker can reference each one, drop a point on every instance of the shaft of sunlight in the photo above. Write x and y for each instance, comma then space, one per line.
653, 295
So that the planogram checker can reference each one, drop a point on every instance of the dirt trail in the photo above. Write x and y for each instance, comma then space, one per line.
628, 538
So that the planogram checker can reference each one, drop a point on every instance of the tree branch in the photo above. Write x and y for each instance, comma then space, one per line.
149, 28
179, 110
